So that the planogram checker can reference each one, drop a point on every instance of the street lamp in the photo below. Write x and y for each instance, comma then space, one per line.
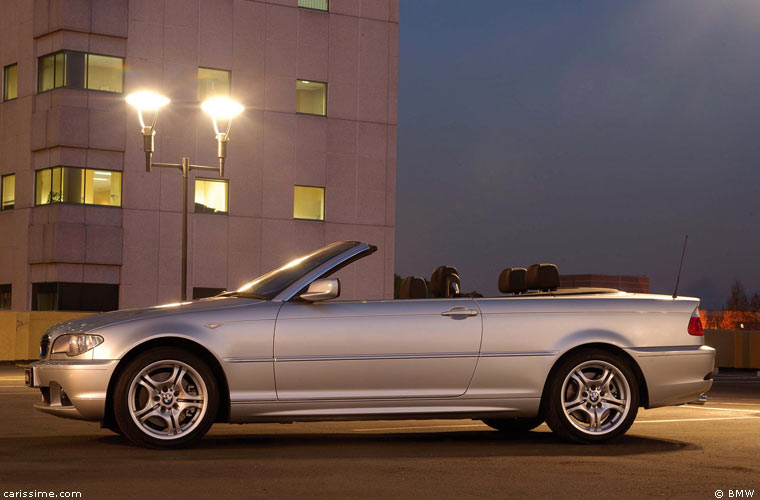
221, 109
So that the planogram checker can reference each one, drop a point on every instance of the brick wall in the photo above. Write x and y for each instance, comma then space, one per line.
637, 284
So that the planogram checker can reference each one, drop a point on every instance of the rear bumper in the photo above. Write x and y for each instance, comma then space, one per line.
72, 389
675, 375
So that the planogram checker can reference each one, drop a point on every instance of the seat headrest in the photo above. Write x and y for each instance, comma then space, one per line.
445, 282
513, 280
543, 277
413, 287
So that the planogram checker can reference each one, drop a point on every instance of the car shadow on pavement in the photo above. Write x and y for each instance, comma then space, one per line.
411, 445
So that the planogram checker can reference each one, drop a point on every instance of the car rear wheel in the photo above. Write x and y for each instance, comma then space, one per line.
593, 397
166, 398
514, 425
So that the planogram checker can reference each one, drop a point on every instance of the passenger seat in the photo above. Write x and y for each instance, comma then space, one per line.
413, 287
513, 280
544, 277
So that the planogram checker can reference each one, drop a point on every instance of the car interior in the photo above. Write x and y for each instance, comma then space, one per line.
537, 279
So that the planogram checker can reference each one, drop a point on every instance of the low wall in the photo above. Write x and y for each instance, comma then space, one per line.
735, 348
20, 331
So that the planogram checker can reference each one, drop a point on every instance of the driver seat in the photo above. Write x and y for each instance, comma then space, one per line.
445, 282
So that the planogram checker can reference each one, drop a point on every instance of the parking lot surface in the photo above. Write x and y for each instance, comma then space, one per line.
676, 452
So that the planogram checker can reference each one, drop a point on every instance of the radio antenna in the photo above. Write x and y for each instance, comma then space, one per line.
680, 266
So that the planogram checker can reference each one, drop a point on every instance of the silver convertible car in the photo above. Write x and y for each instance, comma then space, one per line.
281, 350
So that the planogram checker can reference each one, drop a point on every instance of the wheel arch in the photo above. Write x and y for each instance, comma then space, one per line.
223, 412
602, 346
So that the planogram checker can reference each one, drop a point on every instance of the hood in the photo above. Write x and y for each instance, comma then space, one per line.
90, 323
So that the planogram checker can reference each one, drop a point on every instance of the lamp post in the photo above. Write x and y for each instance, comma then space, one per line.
220, 108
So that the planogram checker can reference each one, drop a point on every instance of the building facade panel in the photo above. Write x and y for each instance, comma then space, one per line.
345, 154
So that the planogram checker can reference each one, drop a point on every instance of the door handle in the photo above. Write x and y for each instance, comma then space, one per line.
460, 311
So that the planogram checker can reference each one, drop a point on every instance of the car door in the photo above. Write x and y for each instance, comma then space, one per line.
376, 349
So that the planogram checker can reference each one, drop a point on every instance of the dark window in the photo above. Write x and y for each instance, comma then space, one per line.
5, 297
202, 293
78, 70
95, 297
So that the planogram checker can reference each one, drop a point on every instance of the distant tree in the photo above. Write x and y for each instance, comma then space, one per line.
754, 304
737, 300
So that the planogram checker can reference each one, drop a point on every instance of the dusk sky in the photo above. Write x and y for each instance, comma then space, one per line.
591, 134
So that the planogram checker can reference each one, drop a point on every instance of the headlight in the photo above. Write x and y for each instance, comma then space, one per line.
75, 344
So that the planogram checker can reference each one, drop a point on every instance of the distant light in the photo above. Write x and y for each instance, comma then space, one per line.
222, 107
741, 325
305, 81
147, 101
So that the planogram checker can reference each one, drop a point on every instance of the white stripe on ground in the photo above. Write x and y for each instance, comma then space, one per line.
12, 378
4, 386
727, 403
719, 409
30, 393
691, 420
659, 421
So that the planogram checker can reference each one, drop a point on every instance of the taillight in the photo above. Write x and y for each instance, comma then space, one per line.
695, 325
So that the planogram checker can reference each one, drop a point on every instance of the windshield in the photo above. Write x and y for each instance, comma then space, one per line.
270, 284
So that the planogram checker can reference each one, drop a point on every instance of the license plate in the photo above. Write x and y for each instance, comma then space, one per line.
29, 377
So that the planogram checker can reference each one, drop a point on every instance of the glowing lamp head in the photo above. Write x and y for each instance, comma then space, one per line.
222, 107
147, 101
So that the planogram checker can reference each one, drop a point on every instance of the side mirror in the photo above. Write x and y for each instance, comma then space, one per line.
324, 289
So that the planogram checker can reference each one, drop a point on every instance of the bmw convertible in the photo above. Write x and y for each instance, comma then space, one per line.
285, 348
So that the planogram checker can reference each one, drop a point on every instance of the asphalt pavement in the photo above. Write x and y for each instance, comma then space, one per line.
695, 452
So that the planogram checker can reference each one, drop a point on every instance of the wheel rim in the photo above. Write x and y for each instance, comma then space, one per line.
168, 399
596, 397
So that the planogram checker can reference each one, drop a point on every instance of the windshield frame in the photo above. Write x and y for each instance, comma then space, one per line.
351, 250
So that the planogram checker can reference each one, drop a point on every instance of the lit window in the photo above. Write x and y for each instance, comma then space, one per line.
102, 187
313, 4
5, 297
105, 73
311, 97
9, 191
78, 185
213, 82
78, 70
10, 82
210, 196
309, 203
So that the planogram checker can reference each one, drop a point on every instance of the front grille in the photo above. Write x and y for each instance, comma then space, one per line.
44, 345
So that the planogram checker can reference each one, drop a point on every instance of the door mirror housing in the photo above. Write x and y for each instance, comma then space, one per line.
324, 289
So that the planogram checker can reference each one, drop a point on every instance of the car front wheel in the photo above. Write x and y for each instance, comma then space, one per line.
593, 397
165, 398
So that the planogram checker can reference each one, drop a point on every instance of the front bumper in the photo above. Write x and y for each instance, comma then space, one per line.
676, 375
72, 389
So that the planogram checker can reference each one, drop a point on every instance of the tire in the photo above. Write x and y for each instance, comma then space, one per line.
514, 425
166, 398
592, 397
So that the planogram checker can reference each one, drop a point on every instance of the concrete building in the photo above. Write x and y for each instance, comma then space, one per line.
311, 160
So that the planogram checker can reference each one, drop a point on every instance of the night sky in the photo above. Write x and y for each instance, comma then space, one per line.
589, 134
